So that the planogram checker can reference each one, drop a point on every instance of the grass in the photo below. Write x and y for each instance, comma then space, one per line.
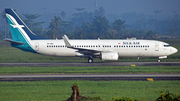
61, 90
87, 70
170, 40
10, 54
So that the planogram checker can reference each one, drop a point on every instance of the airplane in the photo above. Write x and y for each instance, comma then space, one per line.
105, 49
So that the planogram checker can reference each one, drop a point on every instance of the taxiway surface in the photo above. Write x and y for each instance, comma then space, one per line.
91, 64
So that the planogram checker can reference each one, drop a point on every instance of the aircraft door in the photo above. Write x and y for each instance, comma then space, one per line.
36, 46
156, 46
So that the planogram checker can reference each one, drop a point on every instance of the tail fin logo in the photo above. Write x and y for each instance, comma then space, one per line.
17, 26
15, 23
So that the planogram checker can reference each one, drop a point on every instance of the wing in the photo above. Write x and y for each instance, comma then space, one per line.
85, 51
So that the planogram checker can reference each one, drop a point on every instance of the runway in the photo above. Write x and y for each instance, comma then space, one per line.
91, 64
93, 77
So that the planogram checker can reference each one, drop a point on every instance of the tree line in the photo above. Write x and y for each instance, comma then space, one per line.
93, 25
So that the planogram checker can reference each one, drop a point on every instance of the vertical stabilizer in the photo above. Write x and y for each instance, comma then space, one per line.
19, 31
17, 26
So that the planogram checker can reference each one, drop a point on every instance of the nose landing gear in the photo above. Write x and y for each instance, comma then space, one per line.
159, 60
161, 57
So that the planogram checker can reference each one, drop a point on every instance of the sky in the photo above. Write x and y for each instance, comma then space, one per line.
110, 6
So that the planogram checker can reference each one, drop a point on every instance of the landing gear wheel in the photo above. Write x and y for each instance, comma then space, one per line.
90, 60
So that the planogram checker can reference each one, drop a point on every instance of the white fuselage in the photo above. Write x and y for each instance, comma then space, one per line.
124, 48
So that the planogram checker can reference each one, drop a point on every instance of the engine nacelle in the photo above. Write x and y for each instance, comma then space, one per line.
109, 56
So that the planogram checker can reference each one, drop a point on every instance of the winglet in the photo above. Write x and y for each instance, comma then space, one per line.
66, 41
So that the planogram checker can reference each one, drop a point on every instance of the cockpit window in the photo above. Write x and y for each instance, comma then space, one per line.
166, 45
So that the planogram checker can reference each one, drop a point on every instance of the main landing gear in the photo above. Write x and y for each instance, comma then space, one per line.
90, 60
159, 60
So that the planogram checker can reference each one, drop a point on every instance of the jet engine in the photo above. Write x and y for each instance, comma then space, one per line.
109, 56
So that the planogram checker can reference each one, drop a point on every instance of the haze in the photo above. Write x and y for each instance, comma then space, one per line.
155, 15
111, 6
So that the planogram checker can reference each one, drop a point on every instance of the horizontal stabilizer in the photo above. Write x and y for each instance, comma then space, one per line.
14, 42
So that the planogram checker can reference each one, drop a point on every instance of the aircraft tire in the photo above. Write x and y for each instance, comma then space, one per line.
90, 60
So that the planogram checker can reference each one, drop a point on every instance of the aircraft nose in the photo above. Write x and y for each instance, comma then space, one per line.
173, 50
